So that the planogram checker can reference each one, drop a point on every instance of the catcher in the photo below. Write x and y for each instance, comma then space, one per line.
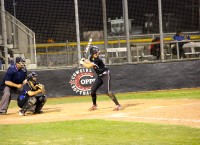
32, 96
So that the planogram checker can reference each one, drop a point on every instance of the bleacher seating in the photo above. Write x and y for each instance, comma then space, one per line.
192, 48
119, 55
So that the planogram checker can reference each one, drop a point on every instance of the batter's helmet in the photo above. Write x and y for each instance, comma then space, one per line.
94, 50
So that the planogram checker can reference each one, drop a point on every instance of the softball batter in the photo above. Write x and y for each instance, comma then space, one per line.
103, 77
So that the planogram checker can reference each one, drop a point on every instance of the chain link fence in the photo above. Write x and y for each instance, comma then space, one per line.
66, 54
54, 26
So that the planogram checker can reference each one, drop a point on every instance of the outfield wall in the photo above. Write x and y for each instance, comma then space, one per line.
125, 78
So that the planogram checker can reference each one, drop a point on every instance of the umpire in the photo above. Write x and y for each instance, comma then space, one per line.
13, 82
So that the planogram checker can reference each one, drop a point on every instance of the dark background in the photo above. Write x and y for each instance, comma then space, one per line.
56, 18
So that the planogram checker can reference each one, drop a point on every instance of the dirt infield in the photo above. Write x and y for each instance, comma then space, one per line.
176, 111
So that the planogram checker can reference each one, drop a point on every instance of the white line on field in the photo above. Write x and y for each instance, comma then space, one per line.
159, 107
125, 115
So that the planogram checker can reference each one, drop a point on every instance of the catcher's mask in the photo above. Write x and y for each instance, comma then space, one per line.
32, 77
94, 50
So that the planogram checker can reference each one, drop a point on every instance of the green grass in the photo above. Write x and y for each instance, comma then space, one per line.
168, 94
98, 132
101, 132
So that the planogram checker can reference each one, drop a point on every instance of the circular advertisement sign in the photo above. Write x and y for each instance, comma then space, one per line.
81, 81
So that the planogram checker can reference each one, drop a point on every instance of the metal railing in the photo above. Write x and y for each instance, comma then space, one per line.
66, 54
18, 32
20, 40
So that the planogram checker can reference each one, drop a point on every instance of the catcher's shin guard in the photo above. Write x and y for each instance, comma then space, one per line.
41, 100
29, 104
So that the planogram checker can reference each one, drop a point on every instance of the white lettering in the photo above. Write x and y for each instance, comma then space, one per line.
83, 82
87, 81
77, 72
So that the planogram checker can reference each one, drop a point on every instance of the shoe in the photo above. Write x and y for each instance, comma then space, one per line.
31, 111
94, 107
21, 113
2, 113
119, 107
38, 112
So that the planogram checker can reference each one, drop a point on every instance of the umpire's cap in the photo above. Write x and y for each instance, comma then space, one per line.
20, 59
94, 50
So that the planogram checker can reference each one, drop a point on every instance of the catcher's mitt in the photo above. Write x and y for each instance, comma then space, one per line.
32, 85
41, 87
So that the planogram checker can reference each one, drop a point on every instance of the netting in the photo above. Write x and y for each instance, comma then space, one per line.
56, 19
53, 21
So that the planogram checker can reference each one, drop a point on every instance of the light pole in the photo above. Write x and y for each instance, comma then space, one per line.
3, 21
161, 28
199, 15
105, 29
126, 26
14, 7
77, 29
14, 24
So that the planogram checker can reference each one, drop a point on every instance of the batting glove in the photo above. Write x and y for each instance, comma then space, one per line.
82, 60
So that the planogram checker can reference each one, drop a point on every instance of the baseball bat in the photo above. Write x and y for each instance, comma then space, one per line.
87, 48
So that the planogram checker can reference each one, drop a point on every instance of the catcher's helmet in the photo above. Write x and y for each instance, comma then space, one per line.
94, 50
31, 75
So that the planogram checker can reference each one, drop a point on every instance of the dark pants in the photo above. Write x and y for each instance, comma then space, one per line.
99, 81
155, 50
181, 50
104, 80
37, 101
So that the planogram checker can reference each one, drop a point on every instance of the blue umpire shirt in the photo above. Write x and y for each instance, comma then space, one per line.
15, 75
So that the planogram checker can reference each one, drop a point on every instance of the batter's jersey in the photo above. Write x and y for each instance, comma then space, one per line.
99, 65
